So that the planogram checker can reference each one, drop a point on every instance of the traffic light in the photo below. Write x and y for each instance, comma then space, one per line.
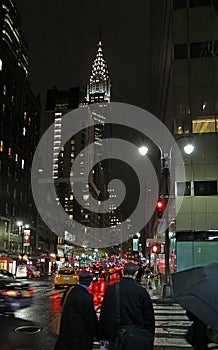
160, 206
155, 248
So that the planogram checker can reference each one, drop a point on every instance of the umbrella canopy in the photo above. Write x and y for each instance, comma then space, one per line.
196, 290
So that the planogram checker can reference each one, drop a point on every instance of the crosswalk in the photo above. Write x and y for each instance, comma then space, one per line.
171, 326
170, 320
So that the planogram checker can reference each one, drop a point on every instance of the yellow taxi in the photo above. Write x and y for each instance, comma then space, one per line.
65, 276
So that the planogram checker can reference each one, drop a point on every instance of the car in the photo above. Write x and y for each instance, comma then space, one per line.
65, 276
32, 271
14, 295
5, 273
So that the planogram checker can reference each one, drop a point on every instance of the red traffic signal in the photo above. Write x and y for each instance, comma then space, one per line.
155, 248
160, 206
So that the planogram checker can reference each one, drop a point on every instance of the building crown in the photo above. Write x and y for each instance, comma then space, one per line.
99, 66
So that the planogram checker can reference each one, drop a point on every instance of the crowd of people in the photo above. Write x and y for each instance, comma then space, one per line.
80, 325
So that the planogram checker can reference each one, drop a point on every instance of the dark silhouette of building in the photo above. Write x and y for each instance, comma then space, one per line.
19, 134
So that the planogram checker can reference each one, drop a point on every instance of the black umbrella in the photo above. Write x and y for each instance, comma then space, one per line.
196, 290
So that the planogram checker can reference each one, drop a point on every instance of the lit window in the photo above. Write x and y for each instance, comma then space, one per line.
0, 64
183, 188
203, 125
24, 115
16, 157
1, 146
24, 131
22, 164
9, 151
29, 121
3, 107
4, 90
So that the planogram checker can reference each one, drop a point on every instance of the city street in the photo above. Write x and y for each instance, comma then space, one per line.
171, 321
108, 155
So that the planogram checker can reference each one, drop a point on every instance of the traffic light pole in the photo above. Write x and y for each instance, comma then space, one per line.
166, 288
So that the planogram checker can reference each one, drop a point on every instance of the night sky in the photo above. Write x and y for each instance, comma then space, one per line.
62, 38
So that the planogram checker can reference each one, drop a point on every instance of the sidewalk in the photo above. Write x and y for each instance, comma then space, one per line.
155, 289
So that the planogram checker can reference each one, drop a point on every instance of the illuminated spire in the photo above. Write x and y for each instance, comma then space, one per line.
99, 87
99, 66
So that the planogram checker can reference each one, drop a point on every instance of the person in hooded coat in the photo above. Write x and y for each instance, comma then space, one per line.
79, 321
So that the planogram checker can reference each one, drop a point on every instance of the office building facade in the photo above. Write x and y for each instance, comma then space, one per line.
19, 134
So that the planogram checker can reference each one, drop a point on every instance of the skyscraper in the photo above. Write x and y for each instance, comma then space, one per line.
195, 109
99, 85
19, 133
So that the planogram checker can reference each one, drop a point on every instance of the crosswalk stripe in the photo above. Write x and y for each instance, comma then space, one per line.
171, 325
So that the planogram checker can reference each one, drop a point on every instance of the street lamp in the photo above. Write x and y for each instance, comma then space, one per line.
166, 158
143, 150
20, 228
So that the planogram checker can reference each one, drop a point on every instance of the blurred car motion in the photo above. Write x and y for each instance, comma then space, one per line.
14, 295
66, 276
5, 273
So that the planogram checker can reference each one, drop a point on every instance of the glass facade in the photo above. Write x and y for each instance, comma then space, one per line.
196, 249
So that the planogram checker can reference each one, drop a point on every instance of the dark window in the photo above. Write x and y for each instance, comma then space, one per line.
66, 272
184, 188
194, 3
179, 4
180, 51
204, 49
205, 188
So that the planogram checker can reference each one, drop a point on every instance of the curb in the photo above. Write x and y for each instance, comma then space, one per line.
167, 301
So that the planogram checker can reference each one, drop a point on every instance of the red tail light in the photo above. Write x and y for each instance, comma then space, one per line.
32, 290
9, 293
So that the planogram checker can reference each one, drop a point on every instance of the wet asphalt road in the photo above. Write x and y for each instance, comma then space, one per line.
45, 305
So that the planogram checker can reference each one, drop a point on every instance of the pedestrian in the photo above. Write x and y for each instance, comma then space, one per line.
79, 321
135, 308
140, 273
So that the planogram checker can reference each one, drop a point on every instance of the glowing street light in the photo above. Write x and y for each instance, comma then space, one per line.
143, 150
189, 148
165, 170
20, 227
